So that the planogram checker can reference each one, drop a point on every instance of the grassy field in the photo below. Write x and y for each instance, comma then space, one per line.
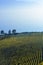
21, 50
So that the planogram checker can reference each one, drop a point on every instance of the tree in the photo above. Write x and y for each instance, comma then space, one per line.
9, 32
2, 31
13, 31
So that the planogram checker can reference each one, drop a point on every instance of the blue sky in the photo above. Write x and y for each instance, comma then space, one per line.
22, 15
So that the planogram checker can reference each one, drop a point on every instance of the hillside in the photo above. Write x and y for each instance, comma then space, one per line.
21, 49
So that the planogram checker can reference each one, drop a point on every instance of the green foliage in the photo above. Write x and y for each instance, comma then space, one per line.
2, 31
9, 32
13, 31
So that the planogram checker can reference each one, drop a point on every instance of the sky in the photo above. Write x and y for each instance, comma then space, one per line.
22, 15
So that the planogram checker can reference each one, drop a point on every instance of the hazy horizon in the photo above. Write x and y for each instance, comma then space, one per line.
22, 15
